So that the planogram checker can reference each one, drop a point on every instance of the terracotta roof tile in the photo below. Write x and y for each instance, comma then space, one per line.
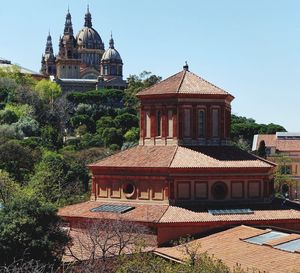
216, 157
140, 213
180, 215
140, 156
163, 213
184, 82
228, 247
183, 157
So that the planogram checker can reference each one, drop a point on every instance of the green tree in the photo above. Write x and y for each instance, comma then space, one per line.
48, 91
58, 180
30, 229
8, 188
261, 151
8, 117
51, 138
79, 120
112, 136
245, 128
16, 160
14, 72
105, 122
126, 121
27, 126
21, 110
137, 83
132, 135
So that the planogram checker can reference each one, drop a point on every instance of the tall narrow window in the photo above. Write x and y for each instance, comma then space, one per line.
158, 123
105, 69
201, 123
148, 124
215, 121
187, 123
170, 123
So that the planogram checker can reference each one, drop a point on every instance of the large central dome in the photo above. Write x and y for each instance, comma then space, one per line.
88, 37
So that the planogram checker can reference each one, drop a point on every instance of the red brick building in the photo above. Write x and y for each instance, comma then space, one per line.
183, 167
184, 154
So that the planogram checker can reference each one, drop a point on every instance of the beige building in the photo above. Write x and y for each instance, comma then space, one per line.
283, 144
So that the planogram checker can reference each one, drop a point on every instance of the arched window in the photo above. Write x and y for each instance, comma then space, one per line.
219, 190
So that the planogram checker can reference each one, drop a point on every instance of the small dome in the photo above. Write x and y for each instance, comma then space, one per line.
111, 54
89, 38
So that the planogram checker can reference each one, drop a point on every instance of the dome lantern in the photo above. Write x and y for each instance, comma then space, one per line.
88, 18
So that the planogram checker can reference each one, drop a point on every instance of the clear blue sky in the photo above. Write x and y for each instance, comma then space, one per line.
249, 48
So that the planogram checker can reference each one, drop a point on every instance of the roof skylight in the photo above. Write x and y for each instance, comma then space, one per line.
264, 238
112, 208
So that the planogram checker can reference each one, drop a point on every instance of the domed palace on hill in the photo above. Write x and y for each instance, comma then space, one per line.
82, 63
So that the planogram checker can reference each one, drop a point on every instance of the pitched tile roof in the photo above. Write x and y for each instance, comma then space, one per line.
228, 247
282, 145
183, 157
216, 157
184, 82
181, 215
140, 213
163, 213
140, 156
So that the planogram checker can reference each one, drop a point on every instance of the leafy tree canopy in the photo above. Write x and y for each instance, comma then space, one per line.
29, 229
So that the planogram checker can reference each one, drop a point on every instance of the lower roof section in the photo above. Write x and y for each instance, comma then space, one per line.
230, 247
140, 212
167, 214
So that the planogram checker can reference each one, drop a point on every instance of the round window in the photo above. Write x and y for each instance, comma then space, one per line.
219, 190
128, 189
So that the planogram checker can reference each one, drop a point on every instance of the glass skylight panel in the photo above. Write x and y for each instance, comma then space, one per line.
112, 208
290, 246
230, 211
266, 237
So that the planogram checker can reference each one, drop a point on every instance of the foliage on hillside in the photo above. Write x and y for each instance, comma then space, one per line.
243, 129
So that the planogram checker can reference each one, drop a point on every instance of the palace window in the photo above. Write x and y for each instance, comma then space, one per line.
120, 70
201, 123
170, 123
158, 123
105, 69
286, 169
113, 70
187, 122
215, 122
